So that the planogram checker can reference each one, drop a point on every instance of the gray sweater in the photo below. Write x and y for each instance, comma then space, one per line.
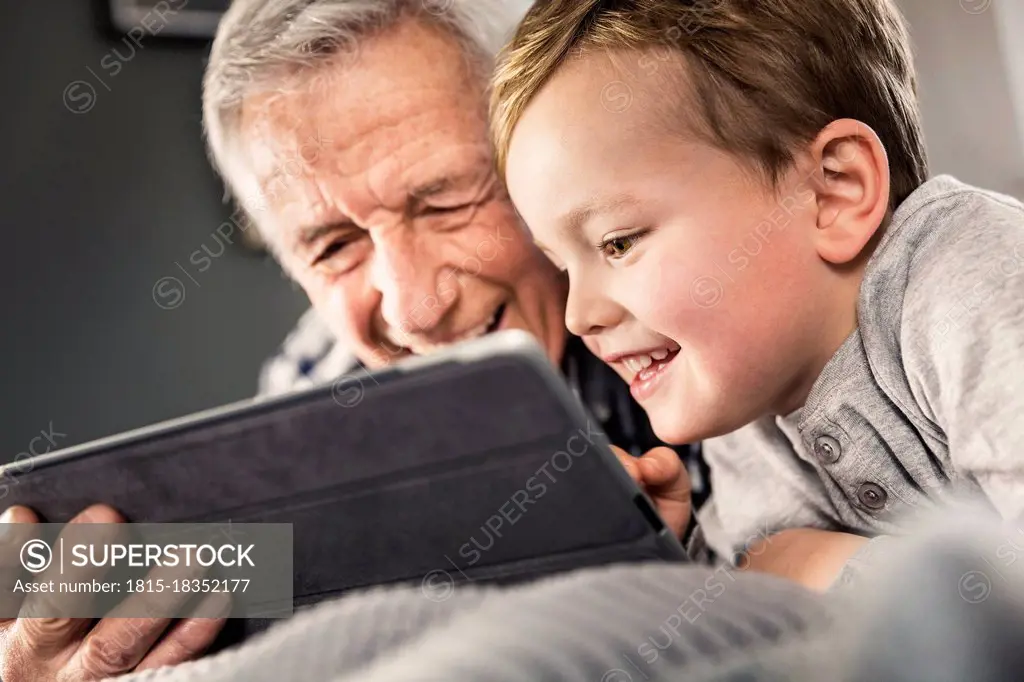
923, 401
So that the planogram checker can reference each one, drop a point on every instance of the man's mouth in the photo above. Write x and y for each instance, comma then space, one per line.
492, 324
486, 328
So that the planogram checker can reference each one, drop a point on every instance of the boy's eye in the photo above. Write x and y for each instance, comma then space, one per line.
617, 247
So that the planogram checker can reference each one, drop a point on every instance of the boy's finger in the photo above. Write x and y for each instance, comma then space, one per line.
660, 466
629, 462
665, 477
668, 484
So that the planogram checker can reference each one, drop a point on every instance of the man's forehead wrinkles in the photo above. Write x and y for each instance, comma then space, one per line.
350, 199
401, 100
408, 172
384, 145
368, 166
311, 202
403, 112
284, 122
322, 206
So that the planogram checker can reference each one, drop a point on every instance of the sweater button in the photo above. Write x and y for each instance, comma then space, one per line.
827, 449
872, 496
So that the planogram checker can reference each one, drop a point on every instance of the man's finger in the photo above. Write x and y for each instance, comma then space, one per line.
18, 514
44, 635
116, 645
18, 525
189, 638
187, 641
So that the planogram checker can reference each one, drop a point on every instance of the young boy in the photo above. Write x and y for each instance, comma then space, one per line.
738, 193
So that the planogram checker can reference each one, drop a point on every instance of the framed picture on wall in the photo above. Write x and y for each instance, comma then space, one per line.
170, 18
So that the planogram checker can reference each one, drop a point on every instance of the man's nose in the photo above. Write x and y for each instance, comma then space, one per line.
588, 310
416, 289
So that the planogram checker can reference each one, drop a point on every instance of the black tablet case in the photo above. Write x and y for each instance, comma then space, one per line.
386, 490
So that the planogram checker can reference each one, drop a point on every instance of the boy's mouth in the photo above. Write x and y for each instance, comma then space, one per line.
646, 366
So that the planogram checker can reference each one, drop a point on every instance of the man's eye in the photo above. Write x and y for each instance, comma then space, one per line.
331, 250
443, 210
617, 247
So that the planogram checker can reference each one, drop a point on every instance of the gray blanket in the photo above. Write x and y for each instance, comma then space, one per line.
938, 612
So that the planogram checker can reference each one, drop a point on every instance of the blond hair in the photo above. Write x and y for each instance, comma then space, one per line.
764, 77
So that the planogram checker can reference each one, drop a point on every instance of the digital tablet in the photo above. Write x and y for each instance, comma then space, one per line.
473, 464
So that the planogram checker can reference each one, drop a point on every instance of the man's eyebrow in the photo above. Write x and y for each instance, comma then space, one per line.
577, 217
309, 235
432, 187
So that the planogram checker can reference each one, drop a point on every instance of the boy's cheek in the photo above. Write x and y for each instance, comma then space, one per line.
700, 302
680, 300
714, 318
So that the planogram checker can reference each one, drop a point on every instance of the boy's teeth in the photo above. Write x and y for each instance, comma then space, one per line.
638, 363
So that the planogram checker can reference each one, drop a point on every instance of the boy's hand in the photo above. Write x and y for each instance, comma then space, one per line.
663, 477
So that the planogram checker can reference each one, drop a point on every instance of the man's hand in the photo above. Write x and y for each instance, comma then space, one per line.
68, 650
663, 477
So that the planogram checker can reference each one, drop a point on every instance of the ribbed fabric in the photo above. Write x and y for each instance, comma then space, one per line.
945, 605
613, 624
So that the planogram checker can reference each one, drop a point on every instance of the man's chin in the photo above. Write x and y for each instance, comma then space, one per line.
387, 353
382, 356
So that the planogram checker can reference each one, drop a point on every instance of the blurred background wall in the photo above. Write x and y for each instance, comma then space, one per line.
970, 62
105, 193
100, 199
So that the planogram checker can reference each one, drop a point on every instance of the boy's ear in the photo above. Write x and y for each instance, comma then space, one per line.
852, 188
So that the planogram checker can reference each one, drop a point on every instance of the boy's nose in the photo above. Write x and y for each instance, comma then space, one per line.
588, 311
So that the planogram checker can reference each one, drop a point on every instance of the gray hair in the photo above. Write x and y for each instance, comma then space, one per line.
262, 43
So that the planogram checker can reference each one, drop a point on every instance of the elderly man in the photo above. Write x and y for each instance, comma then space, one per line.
354, 136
